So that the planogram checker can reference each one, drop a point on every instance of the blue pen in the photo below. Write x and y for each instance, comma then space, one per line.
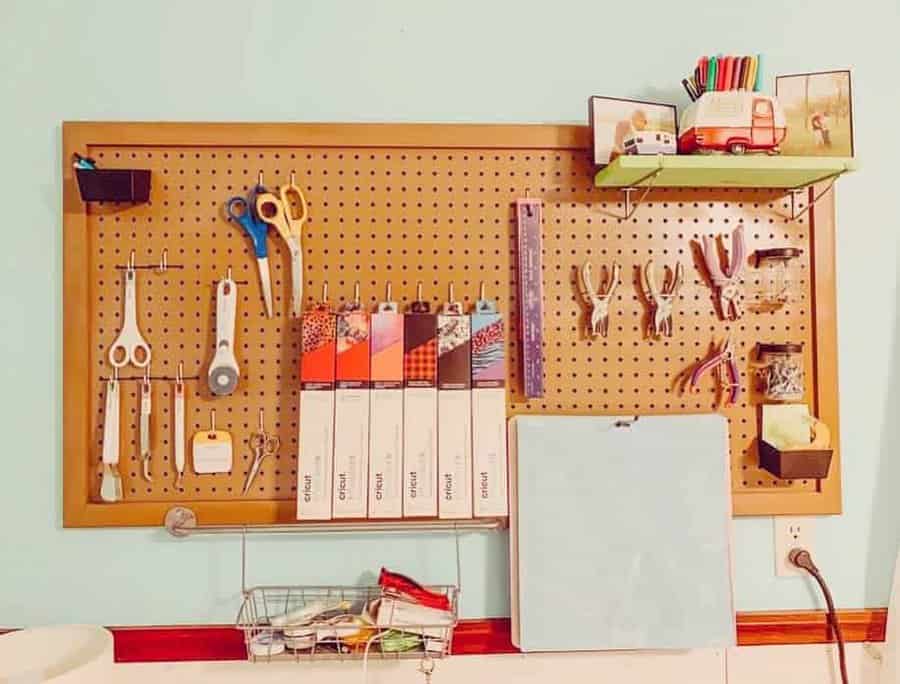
758, 85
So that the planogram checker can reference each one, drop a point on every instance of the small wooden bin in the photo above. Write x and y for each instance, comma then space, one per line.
114, 185
795, 464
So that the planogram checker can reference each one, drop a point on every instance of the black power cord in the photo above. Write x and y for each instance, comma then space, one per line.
802, 559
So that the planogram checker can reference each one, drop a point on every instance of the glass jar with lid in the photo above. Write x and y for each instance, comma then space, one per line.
781, 371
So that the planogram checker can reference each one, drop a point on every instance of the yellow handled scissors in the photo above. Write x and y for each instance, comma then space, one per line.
286, 212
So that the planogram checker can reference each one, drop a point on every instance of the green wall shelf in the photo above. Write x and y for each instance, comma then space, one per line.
720, 171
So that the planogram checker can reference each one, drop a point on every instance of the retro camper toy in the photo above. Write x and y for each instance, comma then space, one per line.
735, 121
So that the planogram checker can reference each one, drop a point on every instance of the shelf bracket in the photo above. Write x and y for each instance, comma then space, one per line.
182, 522
796, 191
630, 208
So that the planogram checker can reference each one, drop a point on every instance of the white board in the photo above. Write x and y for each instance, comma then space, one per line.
620, 536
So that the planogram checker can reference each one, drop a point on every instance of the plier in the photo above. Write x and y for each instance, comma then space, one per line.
722, 363
598, 323
726, 280
662, 299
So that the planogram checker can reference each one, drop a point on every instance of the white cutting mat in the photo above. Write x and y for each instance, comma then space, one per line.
620, 536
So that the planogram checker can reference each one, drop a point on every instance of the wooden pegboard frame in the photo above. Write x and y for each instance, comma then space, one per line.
405, 203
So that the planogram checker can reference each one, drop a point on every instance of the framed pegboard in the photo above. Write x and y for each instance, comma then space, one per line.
405, 203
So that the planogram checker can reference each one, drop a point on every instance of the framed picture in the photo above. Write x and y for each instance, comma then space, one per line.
819, 112
614, 121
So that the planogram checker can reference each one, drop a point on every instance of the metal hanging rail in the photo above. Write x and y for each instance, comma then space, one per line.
182, 522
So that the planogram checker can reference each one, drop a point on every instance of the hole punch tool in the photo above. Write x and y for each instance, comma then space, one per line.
287, 213
726, 281
242, 210
662, 300
723, 365
223, 371
130, 346
146, 410
110, 481
598, 322
263, 445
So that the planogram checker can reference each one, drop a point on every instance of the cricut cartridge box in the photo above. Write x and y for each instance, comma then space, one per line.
316, 457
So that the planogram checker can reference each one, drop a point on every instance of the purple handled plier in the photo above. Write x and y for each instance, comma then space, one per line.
726, 280
724, 366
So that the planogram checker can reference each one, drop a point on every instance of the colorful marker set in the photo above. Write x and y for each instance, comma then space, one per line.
724, 73
402, 415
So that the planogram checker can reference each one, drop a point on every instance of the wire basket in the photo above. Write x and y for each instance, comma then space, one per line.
334, 622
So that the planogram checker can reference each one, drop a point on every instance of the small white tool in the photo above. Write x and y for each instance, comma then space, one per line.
212, 452
111, 483
146, 410
224, 371
178, 424
130, 346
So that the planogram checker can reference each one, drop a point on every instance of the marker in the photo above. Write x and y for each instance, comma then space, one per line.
759, 75
712, 74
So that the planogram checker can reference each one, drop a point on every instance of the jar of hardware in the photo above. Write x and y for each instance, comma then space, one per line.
781, 371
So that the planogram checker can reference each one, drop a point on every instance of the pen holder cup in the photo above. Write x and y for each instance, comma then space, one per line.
795, 464
114, 185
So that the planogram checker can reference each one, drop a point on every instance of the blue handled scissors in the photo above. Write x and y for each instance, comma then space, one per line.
242, 210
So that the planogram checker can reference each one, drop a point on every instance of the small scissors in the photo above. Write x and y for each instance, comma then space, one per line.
286, 213
262, 445
243, 211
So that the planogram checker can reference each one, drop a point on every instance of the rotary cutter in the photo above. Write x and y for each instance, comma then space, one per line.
223, 371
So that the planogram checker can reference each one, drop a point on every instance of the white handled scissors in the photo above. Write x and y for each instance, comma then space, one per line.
130, 346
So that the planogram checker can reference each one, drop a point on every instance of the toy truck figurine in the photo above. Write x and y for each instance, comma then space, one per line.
735, 121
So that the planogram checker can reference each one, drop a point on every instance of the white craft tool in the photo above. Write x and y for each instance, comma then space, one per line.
130, 346
211, 449
110, 482
224, 371
146, 410
178, 425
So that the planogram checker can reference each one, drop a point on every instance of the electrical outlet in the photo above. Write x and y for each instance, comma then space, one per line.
792, 533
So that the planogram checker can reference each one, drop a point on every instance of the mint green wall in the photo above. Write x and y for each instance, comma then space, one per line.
403, 60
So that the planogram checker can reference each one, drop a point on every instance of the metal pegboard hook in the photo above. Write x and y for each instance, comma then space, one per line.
163, 262
131, 261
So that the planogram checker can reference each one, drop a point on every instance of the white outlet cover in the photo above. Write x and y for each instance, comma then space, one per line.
791, 533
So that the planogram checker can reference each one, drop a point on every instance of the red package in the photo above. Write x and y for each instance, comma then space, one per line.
410, 590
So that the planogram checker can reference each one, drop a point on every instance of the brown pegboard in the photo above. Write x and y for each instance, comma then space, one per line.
391, 205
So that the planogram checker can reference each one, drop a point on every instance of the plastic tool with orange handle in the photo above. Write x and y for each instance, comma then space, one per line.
286, 213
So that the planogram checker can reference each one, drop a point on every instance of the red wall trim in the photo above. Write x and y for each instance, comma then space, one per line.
809, 627
489, 636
